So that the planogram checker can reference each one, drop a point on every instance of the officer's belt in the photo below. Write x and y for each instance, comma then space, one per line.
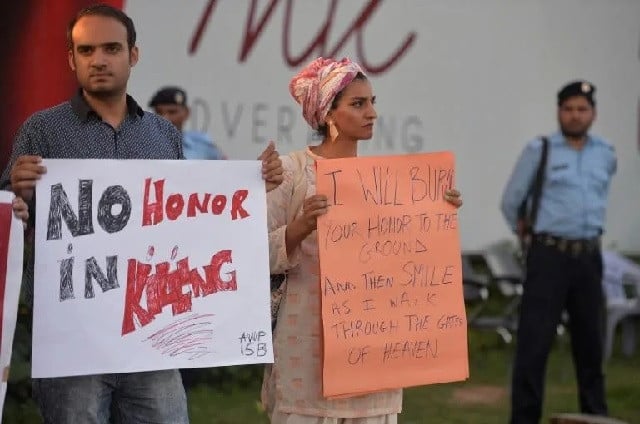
573, 247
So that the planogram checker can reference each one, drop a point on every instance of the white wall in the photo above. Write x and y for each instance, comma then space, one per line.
480, 79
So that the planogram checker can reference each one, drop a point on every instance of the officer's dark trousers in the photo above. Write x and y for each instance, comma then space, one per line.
556, 281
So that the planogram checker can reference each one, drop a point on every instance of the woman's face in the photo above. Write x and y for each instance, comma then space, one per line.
355, 112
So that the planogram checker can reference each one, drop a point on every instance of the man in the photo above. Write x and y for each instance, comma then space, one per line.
102, 121
171, 103
564, 266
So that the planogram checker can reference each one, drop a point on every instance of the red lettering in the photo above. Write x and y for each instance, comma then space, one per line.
197, 283
179, 278
236, 204
255, 26
213, 274
218, 204
319, 42
202, 26
152, 212
393, 58
194, 203
137, 276
251, 35
165, 287
175, 205
157, 289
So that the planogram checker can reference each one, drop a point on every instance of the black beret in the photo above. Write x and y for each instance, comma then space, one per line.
577, 88
169, 96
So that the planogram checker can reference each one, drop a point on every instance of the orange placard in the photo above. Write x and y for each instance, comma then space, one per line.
393, 311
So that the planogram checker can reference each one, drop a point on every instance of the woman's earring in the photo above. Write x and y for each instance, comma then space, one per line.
333, 131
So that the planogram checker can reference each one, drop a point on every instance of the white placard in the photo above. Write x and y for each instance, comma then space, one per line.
11, 251
144, 265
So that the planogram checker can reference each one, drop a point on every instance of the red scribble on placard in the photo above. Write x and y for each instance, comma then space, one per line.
165, 287
191, 335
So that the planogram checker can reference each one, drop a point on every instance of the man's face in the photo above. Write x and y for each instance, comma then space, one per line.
100, 55
575, 116
176, 114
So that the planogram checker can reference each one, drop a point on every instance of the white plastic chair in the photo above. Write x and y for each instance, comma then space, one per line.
505, 276
621, 285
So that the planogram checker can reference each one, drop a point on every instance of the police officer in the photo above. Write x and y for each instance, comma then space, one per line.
564, 265
171, 103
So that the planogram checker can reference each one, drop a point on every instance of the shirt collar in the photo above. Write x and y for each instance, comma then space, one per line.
559, 138
83, 110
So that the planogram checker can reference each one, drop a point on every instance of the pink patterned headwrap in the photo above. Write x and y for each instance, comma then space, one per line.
315, 86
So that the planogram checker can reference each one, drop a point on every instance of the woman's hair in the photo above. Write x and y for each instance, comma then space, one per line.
323, 129
317, 85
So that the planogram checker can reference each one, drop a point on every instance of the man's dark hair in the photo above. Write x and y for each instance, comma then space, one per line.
106, 11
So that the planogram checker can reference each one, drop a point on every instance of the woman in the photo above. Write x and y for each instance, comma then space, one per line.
337, 101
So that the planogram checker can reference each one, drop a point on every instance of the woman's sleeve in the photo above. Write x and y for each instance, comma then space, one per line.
278, 205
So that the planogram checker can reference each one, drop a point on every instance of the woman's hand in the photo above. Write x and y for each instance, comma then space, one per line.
306, 223
454, 197
272, 172
312, 208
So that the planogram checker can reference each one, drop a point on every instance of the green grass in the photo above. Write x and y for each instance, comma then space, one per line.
490, 364
207, 405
